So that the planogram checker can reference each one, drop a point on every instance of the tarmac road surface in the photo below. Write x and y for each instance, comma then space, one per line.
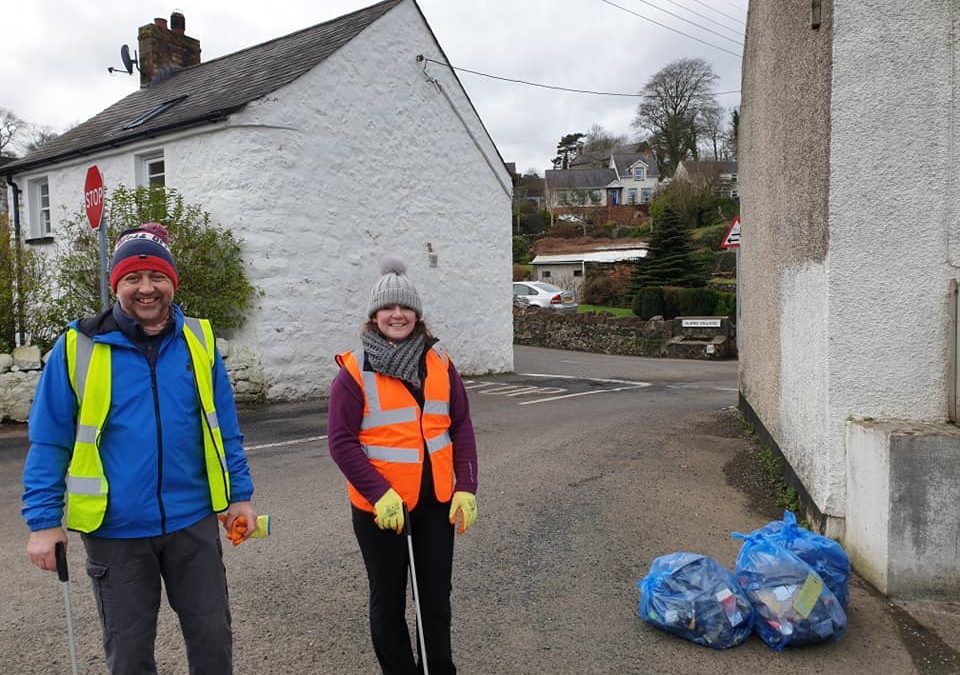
590, 467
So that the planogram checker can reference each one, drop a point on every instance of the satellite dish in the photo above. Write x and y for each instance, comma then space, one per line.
128, 62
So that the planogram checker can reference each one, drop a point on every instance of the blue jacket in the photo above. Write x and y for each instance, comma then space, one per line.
151, 447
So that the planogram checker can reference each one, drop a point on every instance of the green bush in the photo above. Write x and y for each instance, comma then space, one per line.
688, 301
726, 305
599, 289
213, 281
34, 293
649, 302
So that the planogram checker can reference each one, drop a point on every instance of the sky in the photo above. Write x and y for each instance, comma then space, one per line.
55, 55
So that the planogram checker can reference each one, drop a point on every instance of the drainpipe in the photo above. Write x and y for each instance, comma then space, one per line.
18, 253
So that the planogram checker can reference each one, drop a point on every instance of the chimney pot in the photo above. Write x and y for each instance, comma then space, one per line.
178, 23
161, 22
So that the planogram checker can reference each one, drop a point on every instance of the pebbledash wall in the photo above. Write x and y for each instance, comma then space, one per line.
20, 371
360, 157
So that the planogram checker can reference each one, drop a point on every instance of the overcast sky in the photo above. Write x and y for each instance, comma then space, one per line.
55, 54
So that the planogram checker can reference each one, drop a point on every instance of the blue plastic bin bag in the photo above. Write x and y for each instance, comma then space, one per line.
791, 603
823, 554
695, 597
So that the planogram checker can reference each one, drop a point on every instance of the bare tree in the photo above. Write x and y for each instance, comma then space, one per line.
600, 141
713, 135
11, 126
673, 101
39, 136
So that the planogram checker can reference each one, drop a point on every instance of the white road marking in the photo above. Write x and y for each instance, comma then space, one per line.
583, 393
279, 444
586, 379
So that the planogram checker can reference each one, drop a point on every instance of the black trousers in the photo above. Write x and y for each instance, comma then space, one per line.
385, 556
126, 575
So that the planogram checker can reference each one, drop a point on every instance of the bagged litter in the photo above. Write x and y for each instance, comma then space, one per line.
695, 597
823, 554
792, 604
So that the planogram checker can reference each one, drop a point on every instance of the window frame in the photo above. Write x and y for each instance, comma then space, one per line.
40, 213
639, 174
146, 174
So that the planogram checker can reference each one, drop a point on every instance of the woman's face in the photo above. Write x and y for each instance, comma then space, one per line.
396, 322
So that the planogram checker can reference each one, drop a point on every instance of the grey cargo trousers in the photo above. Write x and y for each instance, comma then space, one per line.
126, 575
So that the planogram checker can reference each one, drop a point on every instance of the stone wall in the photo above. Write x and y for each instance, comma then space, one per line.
20, 371
630, 336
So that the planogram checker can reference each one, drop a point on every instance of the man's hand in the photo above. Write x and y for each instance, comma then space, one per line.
41, 545
246, 510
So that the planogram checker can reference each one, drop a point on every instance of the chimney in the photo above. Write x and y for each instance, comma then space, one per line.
163, 51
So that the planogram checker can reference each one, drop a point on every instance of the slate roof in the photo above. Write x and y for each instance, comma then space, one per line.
708, 166
624, 160
581, 179
213, 90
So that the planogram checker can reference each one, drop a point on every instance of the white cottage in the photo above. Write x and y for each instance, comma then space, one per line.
322, 150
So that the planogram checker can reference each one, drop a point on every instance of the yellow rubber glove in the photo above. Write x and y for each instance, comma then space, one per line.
466, 504
389, 512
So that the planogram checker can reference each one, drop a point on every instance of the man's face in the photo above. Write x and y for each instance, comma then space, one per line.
146, 296
396, 322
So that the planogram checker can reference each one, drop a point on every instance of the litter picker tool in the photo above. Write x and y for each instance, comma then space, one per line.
60, 553
416, 590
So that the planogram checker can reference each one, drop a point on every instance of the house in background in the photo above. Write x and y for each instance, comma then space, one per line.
623, 178
721, 175
571, 267
273, 141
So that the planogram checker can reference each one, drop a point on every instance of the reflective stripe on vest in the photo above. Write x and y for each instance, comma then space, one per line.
89, 370
394, 432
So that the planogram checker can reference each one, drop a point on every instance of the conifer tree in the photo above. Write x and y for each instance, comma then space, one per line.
670, 260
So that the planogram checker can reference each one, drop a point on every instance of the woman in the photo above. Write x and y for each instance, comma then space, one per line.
399, 428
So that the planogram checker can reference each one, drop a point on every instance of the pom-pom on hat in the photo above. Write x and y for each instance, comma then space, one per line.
142, 248
394, 288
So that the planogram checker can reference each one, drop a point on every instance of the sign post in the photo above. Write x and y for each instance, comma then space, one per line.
93, 205
732, 240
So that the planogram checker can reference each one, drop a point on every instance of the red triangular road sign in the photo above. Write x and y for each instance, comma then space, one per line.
732, 240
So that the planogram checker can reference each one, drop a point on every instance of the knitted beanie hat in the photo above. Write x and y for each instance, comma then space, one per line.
394, 288
142, 248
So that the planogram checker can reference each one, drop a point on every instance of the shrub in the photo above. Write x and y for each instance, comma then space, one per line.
34, 293
688, 302
599, 289
649, 302
522, 272
726, 305
209, 259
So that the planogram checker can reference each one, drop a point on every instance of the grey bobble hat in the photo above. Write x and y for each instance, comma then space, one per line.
394, 288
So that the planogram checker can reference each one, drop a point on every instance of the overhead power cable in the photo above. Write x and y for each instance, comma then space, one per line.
714, 9
679, 32
736, 31
692, 23
551, 86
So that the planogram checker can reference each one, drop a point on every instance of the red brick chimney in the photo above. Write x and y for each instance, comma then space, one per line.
163, 51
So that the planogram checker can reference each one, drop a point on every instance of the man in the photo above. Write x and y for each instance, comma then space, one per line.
134, 420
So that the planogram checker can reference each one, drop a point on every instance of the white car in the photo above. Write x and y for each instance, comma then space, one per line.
542, 294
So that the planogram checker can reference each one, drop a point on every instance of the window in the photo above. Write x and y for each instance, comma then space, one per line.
578, 273
632, 196
645, 194
561, 198
595, 196
545, 274
733, 178
38, 194
639, 173
151, 170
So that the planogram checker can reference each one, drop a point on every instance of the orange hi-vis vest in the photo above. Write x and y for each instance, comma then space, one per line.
395, 431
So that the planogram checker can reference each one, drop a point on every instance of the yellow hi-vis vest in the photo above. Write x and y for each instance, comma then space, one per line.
395, 432
88, 365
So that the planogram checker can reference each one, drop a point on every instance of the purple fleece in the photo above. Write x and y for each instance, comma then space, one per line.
343, 429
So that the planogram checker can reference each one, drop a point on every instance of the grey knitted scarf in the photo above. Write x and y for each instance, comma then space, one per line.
400, 360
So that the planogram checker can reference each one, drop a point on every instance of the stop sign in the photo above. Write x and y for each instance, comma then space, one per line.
93, 196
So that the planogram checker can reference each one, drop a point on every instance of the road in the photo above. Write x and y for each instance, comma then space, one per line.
590, 467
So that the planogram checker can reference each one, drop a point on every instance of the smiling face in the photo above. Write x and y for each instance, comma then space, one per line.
395, 322
146, 296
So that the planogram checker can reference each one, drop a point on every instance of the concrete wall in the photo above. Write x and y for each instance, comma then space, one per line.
291, 175
784, 167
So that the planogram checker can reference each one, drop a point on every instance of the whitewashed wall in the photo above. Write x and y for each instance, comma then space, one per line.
291, 175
